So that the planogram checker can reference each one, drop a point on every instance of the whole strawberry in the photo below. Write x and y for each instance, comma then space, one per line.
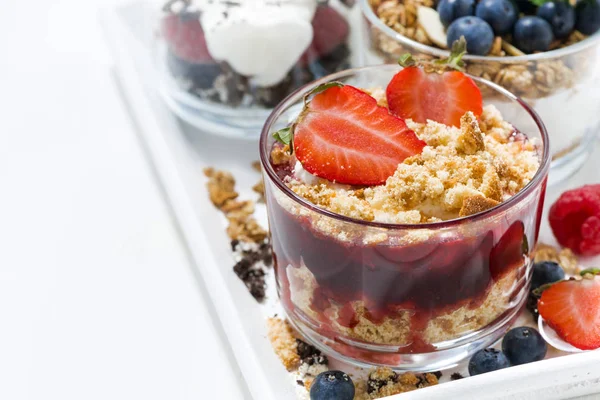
575, 220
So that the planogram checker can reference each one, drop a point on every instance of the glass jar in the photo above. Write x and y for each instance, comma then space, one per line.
224, 64
562, 85
415, 297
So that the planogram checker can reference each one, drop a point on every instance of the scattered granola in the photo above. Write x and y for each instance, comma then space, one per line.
242, 225
305, 360
384, 382
249, 242
564, 257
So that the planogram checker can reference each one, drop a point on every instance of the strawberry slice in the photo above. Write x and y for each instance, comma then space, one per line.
510, 250
445, 98
572, 309
185, 37
343, 136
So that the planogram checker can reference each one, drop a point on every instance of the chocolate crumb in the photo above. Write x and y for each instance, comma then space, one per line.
309, 354
532, 305
438, 374
456, 376
234, 244
299, 382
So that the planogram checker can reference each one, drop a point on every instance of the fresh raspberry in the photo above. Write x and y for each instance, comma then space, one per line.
575, 220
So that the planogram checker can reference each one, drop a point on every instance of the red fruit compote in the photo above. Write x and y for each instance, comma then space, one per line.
424, 270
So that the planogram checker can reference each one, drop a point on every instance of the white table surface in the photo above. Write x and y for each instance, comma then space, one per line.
97, 297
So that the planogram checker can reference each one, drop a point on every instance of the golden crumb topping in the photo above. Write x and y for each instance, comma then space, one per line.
461, 171
284, 342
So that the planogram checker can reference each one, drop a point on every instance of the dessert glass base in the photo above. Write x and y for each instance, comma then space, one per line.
406, 296
447, 354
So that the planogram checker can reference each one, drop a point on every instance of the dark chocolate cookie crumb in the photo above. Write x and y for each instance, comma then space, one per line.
251, 266
299, 382
438, 374
309, 354
456, 376
532, 305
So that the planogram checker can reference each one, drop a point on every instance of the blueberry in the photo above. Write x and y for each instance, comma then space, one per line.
487, 360
523, 345
588, 16
546, 272
332, 385
477, 32
532, 34
526, 6
560, 15
500, 14
451, 10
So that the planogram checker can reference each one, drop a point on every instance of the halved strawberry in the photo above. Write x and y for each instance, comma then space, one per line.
572, 309
442, 97
343, 135
185, 37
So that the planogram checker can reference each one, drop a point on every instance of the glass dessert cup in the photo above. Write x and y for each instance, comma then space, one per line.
562, 86
416, 297
202, 85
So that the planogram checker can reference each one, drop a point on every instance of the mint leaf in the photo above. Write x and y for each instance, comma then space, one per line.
454, 61
406, 60
538, 2
538, 292
284, 136
593, 271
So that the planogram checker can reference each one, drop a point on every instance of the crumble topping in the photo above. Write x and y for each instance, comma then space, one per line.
461, 171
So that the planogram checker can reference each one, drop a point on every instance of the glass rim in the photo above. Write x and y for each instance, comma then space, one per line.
297, 95
368, 12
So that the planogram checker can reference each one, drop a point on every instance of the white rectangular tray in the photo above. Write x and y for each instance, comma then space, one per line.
179, 153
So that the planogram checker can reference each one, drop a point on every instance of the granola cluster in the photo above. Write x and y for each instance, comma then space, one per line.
242, 225
531, 80
249, 242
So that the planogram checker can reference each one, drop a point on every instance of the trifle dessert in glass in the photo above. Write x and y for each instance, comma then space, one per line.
230, 61
403, 206
544, 52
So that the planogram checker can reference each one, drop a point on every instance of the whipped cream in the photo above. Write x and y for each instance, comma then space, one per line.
261, 39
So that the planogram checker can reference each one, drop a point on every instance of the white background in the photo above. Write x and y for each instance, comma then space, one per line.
97, 298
